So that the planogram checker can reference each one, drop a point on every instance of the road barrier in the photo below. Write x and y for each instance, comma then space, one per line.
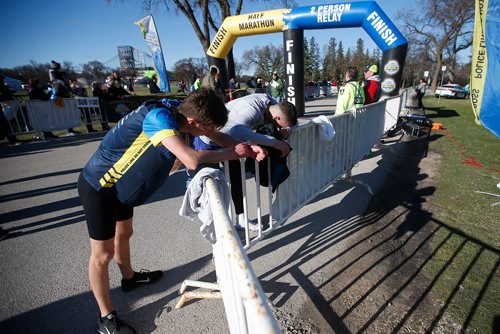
314, 165
31, 116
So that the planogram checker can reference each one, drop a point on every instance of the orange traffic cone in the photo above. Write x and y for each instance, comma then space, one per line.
437, 126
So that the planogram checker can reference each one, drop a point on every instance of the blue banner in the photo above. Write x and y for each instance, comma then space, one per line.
149, 33
366, 14
485, 86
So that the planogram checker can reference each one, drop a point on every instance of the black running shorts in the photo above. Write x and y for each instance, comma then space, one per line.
102, 210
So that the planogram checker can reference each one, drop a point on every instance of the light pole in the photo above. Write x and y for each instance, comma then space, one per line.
443, 69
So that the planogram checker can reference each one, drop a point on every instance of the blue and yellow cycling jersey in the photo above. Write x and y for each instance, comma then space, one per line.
131, 162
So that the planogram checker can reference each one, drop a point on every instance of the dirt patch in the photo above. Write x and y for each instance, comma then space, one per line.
377, 284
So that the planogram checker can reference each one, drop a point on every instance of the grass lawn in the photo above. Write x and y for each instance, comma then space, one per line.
465, 269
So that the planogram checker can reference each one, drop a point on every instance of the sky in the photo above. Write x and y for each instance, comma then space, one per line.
80, 31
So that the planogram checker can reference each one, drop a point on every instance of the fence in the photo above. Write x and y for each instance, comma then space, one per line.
314, 165
30, 116
316, 91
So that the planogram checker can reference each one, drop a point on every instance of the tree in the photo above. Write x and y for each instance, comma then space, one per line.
330, 59
186, 69
94, 70
265, 60
358, 59
314, 61
340, 67
445, 29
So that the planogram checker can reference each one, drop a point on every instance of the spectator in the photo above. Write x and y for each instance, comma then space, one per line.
232, 84
372, 84
246, 115
211, 80
114, 182
5, 95
420, 91
351, 94
115, 88
197, 83
277, 86
60, 86
130, 85
37, 92
182, 87
252, 82
153, 86
76, 89
60, 82
104, 99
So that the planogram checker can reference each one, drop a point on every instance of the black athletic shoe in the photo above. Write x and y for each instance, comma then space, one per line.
141, 278
111, 324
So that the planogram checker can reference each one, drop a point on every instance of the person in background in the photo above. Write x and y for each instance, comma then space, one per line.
60, 83
420, 91
182, 87
277, 86
114, 181
197, 83
372, 84
5, 95
115, 87
211, 80
104, 99
153, 85
351, 94
61, 87
130, 85
232, 84
37, 92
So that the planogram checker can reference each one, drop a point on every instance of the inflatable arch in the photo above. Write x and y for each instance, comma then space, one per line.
292, 22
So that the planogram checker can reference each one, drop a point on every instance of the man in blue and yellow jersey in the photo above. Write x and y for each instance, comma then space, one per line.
133, 160
351, 95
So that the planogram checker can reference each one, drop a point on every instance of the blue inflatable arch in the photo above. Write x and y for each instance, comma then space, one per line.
365, 14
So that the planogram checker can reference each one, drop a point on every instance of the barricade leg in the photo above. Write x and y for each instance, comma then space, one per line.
189, 295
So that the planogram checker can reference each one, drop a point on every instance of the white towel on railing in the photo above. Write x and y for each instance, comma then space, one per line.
326, 130
196, 202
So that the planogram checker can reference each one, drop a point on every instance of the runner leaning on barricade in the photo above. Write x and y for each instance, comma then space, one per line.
246, 115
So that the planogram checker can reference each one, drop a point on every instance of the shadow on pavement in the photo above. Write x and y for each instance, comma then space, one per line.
375, 282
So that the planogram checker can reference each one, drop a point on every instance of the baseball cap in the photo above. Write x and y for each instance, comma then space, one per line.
372, 68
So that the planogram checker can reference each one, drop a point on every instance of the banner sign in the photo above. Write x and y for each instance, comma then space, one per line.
149, 33
485, 69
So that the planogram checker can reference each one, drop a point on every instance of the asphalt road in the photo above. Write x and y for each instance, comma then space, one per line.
43, 276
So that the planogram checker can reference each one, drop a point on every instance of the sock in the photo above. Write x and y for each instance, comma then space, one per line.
241, 219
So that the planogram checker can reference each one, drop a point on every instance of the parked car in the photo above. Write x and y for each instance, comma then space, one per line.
451, 91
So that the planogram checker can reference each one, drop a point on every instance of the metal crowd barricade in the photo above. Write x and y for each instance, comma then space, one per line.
90, 110
246, 305
318, 91
314, 165
30, 116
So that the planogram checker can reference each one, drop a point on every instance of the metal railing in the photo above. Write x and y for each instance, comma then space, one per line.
31, 116
246, 305
314, 165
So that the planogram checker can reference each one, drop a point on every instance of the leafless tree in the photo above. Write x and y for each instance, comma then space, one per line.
444, 29
265, 60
